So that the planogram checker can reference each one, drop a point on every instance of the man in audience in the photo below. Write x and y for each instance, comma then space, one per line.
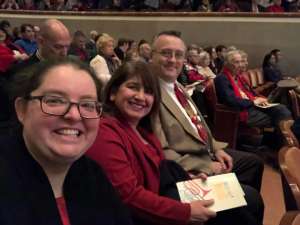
27, 42
91, 44
185, 136
219, 61
53, 43
122, 48
77, 48
233, 90
144, 50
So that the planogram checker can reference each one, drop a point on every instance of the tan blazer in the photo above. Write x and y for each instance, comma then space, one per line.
179, 139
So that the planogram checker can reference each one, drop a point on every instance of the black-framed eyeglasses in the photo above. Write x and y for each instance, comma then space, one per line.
168, 53
60, 106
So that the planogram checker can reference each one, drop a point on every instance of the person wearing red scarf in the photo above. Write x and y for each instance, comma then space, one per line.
233, 90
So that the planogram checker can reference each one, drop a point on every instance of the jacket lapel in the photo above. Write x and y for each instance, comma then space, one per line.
169, 103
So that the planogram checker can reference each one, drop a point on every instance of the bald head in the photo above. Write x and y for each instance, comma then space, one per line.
54, 39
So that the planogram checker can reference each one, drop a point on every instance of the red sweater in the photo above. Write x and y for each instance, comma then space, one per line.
6, 58
133, 169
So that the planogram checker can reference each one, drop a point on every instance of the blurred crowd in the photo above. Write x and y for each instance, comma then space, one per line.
277, 6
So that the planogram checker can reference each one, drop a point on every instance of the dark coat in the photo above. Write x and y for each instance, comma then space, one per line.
26, 197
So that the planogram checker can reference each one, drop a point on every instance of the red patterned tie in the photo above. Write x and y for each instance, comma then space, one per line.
194, 118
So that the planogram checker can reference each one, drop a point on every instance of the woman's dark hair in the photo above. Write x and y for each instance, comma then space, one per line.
147, 74
26, 82
266, 61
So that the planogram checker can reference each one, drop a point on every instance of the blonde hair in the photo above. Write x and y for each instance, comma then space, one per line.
103, 40
230, 55
203, 55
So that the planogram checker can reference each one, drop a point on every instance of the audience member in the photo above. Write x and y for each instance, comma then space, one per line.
28, 5
187, 140
10, 5
131, 154
77, 48
27, 42
106, 62
91, 44
56, 184
122, 47
213, 55
233, 90
8, 56
203, 68
228, 6
219, 61
270, 70
144, 50
276, 7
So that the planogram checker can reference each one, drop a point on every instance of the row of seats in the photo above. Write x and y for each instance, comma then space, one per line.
225, 118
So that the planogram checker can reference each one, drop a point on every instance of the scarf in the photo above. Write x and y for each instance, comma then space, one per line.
240, 84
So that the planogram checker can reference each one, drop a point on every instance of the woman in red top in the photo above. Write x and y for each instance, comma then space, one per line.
130, 153
8, 56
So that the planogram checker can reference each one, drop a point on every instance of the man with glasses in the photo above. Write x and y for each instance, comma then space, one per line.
27, 42
187, 140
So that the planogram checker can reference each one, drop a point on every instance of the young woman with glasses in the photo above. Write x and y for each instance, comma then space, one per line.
45, 179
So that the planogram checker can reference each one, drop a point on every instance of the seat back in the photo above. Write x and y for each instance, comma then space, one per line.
259, 76
211, 98
289, 158
288, 135
295, 103
253, 78
291, 218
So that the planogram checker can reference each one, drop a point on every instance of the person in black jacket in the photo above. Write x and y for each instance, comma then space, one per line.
45, 179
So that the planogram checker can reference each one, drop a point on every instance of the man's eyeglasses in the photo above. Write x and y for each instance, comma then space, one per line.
168, 53
60, 106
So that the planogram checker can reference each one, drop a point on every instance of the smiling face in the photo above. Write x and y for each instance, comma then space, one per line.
170, 66
59, 139
132, 100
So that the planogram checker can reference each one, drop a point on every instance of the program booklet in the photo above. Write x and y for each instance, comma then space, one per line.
225, 189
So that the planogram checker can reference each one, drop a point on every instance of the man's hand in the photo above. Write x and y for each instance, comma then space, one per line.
225, 160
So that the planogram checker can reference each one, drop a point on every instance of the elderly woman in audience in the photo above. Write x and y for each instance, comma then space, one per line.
131, 154
234, 91
106, 62
203, 65
45, 177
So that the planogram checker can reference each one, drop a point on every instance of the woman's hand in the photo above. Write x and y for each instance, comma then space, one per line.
259, 101
200, 212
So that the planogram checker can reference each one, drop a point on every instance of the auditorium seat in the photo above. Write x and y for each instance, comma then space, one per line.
289, 158
295, 103
224, 120
258, 83
291, 218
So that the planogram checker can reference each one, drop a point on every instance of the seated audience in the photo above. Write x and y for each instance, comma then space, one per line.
228, 6
122, 47
28, 5
77, 48
10, 5
270, 70
53, 183
186, 138
27, 42
219, 61
106, 62
7, 56
233, 90
276, 7
213, 55
203, 68
144, 50
91, 44
130, 153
